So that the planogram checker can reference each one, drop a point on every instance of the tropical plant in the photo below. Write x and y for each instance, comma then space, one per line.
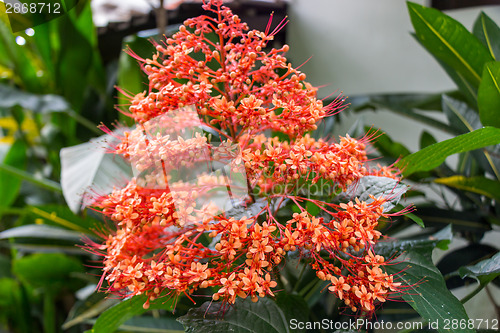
471, 113
168, 247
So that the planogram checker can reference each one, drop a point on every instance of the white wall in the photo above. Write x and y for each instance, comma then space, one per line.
365, 46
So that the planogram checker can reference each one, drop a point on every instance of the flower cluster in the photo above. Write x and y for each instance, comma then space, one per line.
210, 211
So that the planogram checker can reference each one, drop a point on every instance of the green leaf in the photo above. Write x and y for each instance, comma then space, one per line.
10, 97
294, 307
460, 115
426, 139
488, 97
440, 239
244, 317
414, 218
449, 41
74, 61
405, 105
388, 148
41, 231
488, 32
486, 269
150, 324
477, 184
26, 72
16, 156
113, 318
378, 187
50, 271
59, 215
87, 165
428, 294
432, 156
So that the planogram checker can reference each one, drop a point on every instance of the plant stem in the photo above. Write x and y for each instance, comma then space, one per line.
299, 279
472, 294
45, 183
49, 313
84, 122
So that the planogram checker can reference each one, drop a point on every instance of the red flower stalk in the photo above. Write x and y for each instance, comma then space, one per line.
239, 89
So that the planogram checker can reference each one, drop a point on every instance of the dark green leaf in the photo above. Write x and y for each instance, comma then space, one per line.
405, 105
460, 115
150, 324
489, 269
426, 139
486, 30
488, 97
51, 271
244, 317
388, 148
440, 239
469, 221
74, 61
449, 41
16, 156
457, 258
432, 156
477, 184
465, 87
294, 307
113, 318
130, 76
428, 294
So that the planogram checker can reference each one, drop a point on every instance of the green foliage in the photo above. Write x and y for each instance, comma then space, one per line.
472, 118
114, 317
244, 317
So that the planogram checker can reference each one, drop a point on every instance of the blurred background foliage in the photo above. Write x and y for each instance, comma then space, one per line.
55, 89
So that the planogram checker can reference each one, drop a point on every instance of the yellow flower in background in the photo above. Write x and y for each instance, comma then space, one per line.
9, 126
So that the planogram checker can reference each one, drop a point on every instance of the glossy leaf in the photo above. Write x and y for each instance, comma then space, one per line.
88, 164
477, 184
486, 269
89, 308
377, 187
244, 317
388, 148
441, 239
449, 41
488, 98
152, 324
463, 118
488, 32
111, 319
432, 156
405, 105
41, 231
62, 216
294, 307
454, 260
16, 156
26, 71
10, 97
427, 294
